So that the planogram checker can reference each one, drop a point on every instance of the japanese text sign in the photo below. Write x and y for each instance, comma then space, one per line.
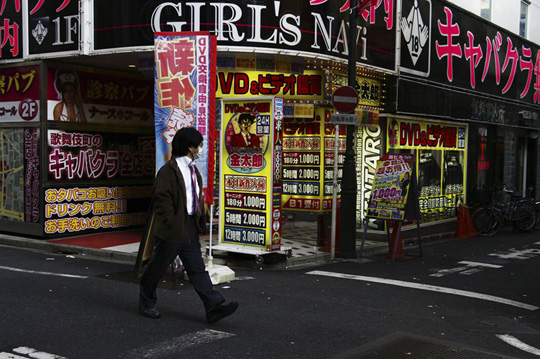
250, 184
19, 94
308, 162
391, 187
185, 96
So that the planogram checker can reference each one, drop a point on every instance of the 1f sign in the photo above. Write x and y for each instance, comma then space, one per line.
71, 30
53, 28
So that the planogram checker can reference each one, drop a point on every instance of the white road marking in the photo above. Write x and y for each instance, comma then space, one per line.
179, 344
126, 248
43, 273
444, 272
33, 353
515, 254
518, 344
29, 353
4, 355
468, 269
432, 288
480, 264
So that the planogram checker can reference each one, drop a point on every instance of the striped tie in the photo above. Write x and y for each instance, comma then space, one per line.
196, 208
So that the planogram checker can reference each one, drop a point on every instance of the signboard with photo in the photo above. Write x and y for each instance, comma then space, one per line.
250, 183
80, 96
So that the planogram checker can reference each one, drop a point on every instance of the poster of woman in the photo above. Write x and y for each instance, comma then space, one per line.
70, 108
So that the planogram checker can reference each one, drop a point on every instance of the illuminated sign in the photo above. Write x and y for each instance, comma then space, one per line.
440, 161
308, 162
250, 185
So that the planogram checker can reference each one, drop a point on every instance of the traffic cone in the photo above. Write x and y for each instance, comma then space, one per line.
462, 231
396, 241
468, 222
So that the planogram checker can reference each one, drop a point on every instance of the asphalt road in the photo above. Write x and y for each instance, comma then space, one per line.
464, 296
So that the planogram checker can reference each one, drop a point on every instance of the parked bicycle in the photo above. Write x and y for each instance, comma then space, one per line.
531, 197
537, 224
488, 219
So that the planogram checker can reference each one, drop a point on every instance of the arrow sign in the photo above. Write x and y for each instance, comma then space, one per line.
345, 99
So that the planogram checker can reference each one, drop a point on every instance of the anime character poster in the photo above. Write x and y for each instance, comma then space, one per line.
251, 173
391, 186
184, 95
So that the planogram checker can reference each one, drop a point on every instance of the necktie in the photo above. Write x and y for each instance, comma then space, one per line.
195, 209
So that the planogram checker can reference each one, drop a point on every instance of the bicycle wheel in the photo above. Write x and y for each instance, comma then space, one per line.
524, 216
486, 221
537, 224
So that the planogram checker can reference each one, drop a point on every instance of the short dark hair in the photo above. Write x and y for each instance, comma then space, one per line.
184, 139
247, 117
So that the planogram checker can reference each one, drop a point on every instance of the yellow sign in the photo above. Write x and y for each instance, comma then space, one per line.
250, 173
369, 90
303, 110
440, 149
308, 162
308, 86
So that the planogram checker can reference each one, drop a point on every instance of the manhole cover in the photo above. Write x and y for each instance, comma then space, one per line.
490, 324
418, 348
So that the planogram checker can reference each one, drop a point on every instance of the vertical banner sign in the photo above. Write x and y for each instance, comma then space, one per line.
11, 46
250, 184
391, 187
184, 95
31, 175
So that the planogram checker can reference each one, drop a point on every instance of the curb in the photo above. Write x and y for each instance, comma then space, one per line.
130, 258
42, 245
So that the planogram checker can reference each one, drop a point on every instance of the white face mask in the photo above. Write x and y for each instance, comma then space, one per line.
197, 155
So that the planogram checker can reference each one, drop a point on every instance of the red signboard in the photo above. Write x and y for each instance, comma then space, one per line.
345, 99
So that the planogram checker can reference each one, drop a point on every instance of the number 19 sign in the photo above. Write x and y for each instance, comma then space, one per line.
250, 183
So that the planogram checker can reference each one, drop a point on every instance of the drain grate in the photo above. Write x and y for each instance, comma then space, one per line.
490, 324
405, 347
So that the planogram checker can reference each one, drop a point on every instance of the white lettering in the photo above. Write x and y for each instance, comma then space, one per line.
156, 17
221, 22
324, 31
256, 24
290, 29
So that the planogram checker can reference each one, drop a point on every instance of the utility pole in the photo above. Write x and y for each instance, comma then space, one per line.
347, 223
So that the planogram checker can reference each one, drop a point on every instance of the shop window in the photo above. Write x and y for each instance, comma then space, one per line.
440, 150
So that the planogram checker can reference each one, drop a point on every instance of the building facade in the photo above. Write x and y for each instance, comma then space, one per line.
459, 92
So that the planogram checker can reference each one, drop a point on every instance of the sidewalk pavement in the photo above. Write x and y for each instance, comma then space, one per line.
123, 246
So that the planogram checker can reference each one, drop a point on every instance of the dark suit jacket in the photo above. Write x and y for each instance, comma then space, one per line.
170, 216
238, 140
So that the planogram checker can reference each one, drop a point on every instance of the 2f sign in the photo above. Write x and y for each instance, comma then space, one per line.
71, 26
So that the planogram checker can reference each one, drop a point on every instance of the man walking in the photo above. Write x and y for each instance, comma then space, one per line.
178, 220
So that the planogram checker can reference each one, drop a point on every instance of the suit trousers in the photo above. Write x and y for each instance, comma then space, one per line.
190, 254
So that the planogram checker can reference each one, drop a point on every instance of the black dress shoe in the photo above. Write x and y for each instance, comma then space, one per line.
150, 312
221, 311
